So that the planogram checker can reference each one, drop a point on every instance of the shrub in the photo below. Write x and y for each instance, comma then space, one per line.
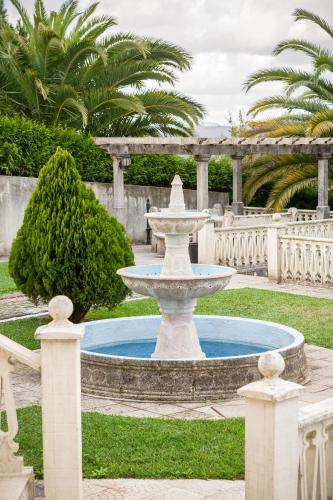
68, 244
159, 170
25, 147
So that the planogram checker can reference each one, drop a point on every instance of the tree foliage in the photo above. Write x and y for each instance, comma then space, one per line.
68, 244
66, 67
306, 110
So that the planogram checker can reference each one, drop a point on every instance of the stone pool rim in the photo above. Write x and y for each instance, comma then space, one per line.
298, 339
193, 380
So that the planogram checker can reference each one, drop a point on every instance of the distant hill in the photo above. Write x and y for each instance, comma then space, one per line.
207, 129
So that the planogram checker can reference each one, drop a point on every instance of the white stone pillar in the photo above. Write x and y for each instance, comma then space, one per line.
202, 181
273, 249
206, 244
237, 185
323, 209
118, 188
61, 402
271, 433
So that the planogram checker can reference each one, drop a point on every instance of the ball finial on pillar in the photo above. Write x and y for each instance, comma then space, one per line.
60, 307
271, 365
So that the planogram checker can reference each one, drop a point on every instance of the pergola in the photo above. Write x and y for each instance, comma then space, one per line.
203, 148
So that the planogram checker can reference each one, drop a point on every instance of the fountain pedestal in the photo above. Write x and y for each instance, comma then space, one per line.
178, 336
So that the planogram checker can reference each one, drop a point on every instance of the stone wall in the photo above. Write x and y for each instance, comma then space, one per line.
15, 193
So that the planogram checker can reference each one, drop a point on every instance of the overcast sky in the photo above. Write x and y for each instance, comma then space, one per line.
229, 39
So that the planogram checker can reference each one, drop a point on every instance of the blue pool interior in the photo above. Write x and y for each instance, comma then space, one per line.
220, 336
198, 270
144, 349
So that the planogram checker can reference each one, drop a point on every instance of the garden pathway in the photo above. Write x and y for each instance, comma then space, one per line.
160, 489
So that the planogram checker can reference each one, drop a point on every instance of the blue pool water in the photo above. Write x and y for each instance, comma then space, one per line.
144, 349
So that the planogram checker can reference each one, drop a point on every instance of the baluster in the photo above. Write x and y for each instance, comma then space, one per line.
9, 462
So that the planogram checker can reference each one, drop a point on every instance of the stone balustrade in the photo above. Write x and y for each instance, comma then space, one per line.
59, 363
288, 452
306, 260
16, 480
241, 246
299, 252
315, 430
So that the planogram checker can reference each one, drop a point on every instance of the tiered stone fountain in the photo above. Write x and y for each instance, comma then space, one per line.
122, 358
177, 284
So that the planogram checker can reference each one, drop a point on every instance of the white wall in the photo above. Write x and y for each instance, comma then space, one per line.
15, 193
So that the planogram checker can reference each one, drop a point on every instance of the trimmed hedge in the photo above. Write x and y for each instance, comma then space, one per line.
26, 146
159, 170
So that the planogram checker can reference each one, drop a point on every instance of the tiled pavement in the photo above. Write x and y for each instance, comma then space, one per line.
177, 489
159, 489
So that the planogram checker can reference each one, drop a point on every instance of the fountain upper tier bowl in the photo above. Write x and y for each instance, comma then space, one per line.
205, 280
169, 222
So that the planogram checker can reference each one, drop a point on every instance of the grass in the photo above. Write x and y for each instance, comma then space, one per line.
7, 285
310, 315
116, 447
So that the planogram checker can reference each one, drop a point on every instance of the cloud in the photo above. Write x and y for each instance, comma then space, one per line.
229, 39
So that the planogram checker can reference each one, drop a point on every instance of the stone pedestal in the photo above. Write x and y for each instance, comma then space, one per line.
271, 433
178, 336
61, 402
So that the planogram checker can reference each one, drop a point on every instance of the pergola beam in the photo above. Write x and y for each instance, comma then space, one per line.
197, 146
203, 148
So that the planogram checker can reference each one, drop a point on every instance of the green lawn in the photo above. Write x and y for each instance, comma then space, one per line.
311, 316
146, 447
7, 285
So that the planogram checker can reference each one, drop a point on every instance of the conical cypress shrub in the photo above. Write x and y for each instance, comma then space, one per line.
68, 244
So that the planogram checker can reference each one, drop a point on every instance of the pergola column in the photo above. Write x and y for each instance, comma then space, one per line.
119, 164
237, 188
202, 181
323, 209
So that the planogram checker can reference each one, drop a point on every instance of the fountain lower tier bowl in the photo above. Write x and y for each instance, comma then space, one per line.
115, 358
147, 280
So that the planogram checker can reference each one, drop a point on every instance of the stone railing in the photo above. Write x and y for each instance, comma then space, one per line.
296, 251
241, 246
249, 210
306, 260
320, 228
316, 451
59, 363
11, 465
301, 252
288, 452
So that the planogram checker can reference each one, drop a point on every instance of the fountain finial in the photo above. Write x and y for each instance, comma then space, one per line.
177, 203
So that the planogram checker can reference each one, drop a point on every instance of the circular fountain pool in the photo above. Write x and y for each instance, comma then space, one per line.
116, 358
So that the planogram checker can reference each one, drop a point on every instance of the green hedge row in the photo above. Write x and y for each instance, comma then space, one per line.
26, 146
159, 170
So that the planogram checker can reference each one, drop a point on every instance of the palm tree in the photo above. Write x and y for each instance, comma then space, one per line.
307, 111
70, 70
